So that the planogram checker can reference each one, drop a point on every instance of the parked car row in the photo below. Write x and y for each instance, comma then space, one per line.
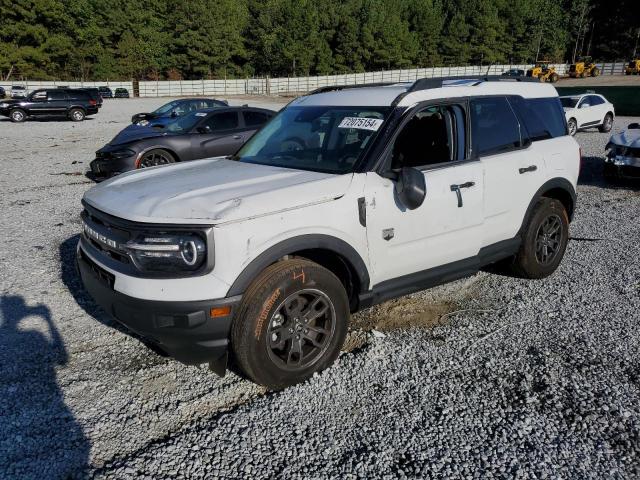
20, 91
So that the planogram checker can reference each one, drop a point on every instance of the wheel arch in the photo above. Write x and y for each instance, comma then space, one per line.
332, 253
145, 150
557, 188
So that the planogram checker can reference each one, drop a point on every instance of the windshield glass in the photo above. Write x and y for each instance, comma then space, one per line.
186, 123
319, 138
569, 102
166, 108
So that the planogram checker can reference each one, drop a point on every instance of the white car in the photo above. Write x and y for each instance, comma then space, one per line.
587, 111
350, 196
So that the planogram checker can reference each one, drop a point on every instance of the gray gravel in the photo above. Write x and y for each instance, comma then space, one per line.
520, 379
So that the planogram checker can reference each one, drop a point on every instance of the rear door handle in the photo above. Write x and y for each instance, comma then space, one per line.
237, 137
530, 168
456, 188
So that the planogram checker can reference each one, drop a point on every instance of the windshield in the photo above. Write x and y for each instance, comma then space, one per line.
569, 102
166, 108
186, 123
319, 138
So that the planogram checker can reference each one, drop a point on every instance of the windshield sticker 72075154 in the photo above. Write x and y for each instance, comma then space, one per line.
361, 123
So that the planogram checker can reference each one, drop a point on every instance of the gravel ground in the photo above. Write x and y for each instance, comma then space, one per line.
500, 378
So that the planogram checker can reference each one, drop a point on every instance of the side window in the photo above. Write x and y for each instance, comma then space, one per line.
222, 121
596, 100
253, 118
585, 102
39, 96
494, 126
56, 95
542, 117
433, 136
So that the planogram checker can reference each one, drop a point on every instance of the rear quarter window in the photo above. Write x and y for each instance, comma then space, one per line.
542, 118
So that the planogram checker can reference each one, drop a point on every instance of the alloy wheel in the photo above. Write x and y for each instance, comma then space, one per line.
301, 329
153, 159
548, 239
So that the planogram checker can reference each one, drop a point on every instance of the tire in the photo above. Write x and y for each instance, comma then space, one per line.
573, 126
544, 240
553, 78
595, 72
156, 157
18, 115
607, 123
266, 339
77, 114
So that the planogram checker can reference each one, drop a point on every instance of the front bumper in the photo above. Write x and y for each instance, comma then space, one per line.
184, 330
622, 166
107, 167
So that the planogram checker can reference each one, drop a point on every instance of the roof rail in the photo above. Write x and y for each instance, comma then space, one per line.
438, 82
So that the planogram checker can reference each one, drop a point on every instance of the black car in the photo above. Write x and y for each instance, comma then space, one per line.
94, 93
74, 104
3, 92
122, 93
514, 72
105, 92
168, 112
206, 133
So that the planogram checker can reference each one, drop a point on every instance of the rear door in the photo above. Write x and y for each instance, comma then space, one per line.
512, 167
219, 134
57, 102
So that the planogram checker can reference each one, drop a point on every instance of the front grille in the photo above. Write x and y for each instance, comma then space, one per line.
111, 237
102, 275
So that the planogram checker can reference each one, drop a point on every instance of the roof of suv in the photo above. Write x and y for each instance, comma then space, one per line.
387, 95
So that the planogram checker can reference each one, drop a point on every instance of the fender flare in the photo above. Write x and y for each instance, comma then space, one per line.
296, 244
554, 183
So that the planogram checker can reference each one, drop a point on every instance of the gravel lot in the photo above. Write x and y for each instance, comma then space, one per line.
497, 377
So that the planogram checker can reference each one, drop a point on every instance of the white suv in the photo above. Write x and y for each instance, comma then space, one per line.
348, 197
587, 111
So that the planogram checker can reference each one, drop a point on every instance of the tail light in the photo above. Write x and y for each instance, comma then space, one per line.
92, 102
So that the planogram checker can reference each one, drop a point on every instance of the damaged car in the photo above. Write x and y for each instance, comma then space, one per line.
623, 153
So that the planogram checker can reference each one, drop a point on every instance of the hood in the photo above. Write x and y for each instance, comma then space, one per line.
10, 101
212, 191
133, 133
628, 138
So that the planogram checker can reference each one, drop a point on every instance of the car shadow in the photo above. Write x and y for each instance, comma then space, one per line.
39, 435
592, 174
71, 279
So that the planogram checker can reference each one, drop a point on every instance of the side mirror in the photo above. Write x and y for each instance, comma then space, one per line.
174, 114
411, 187
634, 126
204, 129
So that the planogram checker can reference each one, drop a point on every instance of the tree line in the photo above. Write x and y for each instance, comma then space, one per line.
194, 39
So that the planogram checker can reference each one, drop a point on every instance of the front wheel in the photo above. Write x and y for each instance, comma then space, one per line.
292, 323
544, 240
607, 123
595, 72
156, 157
554, 78
573, 126
18, 115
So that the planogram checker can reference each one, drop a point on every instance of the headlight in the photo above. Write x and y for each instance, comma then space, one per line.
168, 252
122, 153
4, 105
143, 123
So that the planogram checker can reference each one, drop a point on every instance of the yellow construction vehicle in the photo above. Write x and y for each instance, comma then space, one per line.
543, 72
633, 67
584, 67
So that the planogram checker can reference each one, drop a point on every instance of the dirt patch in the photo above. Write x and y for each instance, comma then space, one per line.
401, 313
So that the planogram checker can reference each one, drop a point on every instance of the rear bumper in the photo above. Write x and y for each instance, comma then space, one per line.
184, 330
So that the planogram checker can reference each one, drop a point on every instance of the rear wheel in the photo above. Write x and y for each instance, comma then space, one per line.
292, 323
76, 114
544, 240
607, 123
573, 126
18, 115
595, 72
156, 157
553, 78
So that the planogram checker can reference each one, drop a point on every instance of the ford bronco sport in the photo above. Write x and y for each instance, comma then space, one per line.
348, 197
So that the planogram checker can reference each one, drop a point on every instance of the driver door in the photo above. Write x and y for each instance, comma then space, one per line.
218, 135
445, 231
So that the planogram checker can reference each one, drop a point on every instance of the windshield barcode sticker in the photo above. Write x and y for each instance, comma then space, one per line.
361, 123
201, 114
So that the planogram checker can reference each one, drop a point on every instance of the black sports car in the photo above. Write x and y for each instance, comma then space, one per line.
105, 92
121, 93
211, 132
168, 112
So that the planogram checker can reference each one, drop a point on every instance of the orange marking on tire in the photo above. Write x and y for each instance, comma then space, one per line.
299, 275
265, 311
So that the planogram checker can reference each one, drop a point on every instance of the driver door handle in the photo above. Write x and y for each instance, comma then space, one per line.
530, 168
456, 188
